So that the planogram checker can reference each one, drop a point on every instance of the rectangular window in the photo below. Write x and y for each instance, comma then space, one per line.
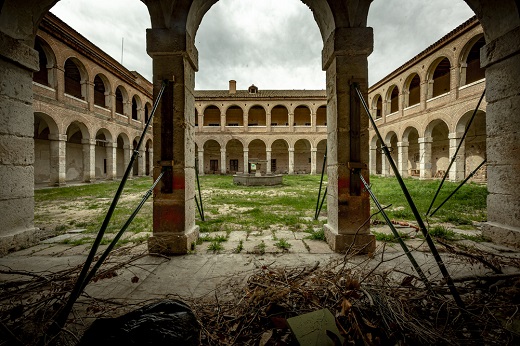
233, 165
273, 165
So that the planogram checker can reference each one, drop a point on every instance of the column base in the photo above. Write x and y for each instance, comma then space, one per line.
173, 243
19, 240
357, 243
502, 234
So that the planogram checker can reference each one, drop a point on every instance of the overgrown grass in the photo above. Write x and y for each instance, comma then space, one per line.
389, 237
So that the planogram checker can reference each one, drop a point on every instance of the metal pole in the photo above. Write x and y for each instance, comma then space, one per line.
62, 317
316, 212
201, 208
456, 151
458, 187
398, 236
322, 200
410, 201
120, 233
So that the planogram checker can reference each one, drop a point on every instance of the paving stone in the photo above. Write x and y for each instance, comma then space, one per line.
288, 235
318, 246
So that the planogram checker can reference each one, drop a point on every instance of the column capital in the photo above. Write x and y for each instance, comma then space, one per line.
425, 139
57, 137
222, 150
246, 150
291, 150
403, 144
160, 41
88, 141
347, 42
455, 135
313, 150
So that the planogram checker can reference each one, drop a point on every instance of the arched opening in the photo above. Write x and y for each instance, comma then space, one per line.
393, 95
280, 157
302, 156
148, 109
74, 152
136, 167
257, 151
440, 149
136, 104
474, 144
100, 93
211, 157
212, 116
103, 155
321, 116
320, 155
256, 116
42, 149
391, 142
411, 135
122, 154
73, 80
120, 99
234, 156
234, 116
302, 116
414, 91
377, 105
42, 76
440, 77
196, 117
279, 116
471, 70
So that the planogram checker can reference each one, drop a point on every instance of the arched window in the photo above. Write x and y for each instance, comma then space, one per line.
119, 101
441, 78
99, 92
394, 100
72, 79
134, 109
41, 76
414, 91
473, 70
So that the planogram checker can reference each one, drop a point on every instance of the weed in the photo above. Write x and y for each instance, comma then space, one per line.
443, 233
282, 244
215, 246
389, 237
220, 238
316, 235
260, 248
239, 247
60, 228
476, 238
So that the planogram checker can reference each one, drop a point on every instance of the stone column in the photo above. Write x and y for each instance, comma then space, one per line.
18, 61
175, 59
60, 83
89, 160
425, 153
246, 160
140, 163
291, 122
291, 160
313, 120
385, 165
58, 147
348, 205
454, 83
268, 121
424, 94
223, 163
246, 121
150, 161
313, 160
501, 59
111, 149
201, 161
89, 97
462, 77
112, 105
127, 154
402, 158
268, 158
458, 168
222, 121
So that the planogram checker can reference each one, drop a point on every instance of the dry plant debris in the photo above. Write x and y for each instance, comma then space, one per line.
373, 305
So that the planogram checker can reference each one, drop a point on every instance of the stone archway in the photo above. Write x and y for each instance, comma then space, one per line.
347, 42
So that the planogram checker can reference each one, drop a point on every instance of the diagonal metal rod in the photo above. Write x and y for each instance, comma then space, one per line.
322, 200
114, 241
458, 187
422, 226
63, 314
316, 212
398, 237
456, 151
201, 207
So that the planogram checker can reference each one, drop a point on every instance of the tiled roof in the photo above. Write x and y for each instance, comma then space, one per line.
261, 94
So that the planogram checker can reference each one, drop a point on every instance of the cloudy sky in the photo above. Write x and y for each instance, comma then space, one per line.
275, 44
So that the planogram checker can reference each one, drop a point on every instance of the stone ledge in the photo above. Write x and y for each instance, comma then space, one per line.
502, 234
361, 243
173, 243
19, 240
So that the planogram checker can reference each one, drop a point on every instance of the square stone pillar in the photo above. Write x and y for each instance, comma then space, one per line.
268, 158
150, 161
200, 161
111, 149
402, 158
246, 160
385, 165
313, 160
373, 160
174, 59
291, 160
223, 163
425, 154
348, 205
89, 160
501, 59
58, 145
457, 169
141, 168
17, 63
